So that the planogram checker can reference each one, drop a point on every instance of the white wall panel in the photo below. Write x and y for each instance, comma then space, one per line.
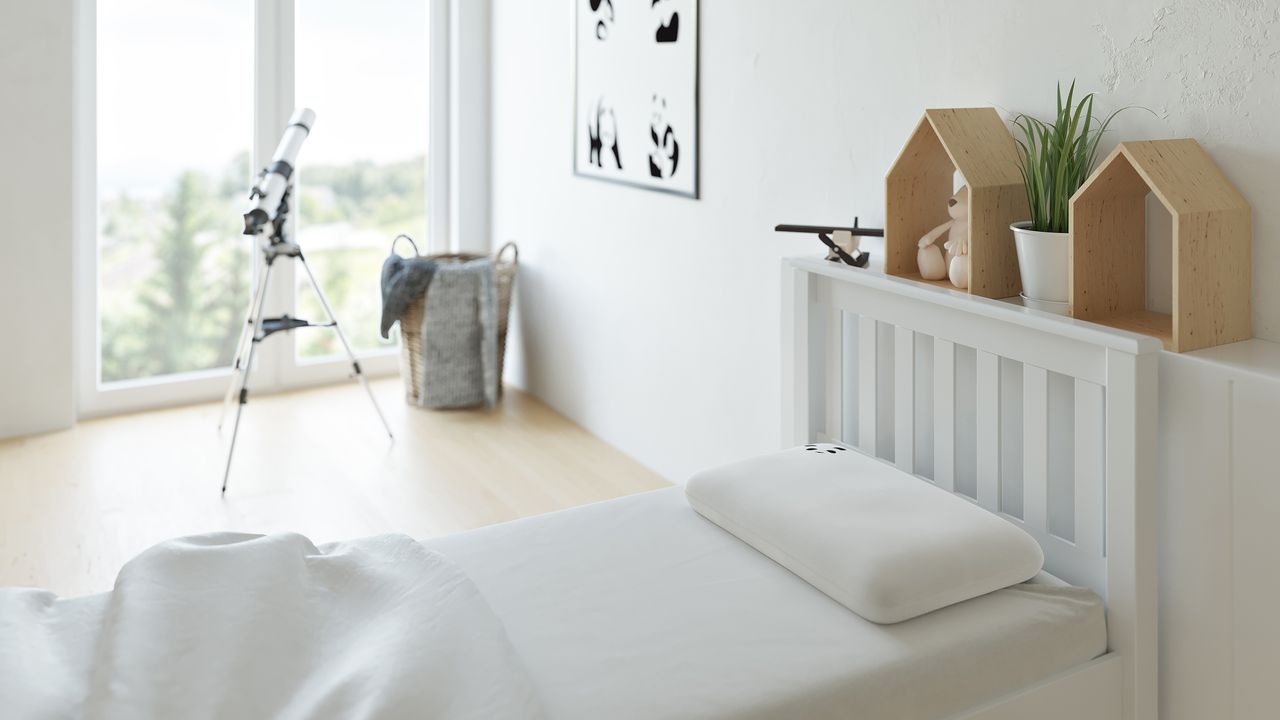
868, 384
1062, 454
886, 372
904, 399
1255, 490
1035, 457
1011, 442
36, 375
966, 421
944, 413
988, 430
924, 406
849, 375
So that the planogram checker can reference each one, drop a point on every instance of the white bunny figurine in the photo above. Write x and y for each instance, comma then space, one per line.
957, 245
929, 257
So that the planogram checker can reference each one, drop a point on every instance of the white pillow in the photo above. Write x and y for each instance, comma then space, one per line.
887, 545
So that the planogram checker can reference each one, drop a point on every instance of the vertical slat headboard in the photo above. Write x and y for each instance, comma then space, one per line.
1047, 421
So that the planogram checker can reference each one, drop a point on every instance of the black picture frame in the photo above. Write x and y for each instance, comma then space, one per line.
582, 14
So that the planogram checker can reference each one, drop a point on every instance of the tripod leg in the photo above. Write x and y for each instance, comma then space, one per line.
235, 425
243, 390
246, 334
355, 364
236, 364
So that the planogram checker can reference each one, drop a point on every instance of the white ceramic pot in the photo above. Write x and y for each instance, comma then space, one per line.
1044, 260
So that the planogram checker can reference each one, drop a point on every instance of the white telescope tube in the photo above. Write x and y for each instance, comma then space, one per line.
266, 194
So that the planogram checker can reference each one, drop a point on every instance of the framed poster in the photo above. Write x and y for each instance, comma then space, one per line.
636, 93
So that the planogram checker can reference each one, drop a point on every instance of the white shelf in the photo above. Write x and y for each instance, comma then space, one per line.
1008, 310
1256, 358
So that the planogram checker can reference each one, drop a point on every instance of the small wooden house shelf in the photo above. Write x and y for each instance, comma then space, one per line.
1212, 246
976, 143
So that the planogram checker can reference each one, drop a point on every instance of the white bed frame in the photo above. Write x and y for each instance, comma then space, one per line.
1048, 421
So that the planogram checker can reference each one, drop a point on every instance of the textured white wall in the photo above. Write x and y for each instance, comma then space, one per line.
35, 217
652, 320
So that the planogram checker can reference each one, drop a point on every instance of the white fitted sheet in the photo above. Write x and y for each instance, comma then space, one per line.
641, 608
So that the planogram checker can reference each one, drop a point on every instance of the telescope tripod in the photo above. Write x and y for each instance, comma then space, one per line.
258, 328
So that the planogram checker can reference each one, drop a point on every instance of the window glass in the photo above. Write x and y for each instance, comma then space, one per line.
174, 127
363, 67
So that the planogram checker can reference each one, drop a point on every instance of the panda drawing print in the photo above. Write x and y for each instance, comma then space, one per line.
668, 31
602, 130
604, 17
636, 93
665, 156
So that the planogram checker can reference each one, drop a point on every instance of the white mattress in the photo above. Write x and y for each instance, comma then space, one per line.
641, 608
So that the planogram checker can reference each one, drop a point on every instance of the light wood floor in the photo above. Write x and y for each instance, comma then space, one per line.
75, 505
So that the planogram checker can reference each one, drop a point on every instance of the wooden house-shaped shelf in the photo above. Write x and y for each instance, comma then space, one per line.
975, 143
1211, 246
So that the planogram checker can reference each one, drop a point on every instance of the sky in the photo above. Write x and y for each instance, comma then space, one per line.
176, 77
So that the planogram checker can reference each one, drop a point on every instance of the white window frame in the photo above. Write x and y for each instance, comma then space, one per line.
279, 367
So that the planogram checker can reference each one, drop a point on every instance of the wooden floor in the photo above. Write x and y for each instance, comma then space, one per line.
75, 505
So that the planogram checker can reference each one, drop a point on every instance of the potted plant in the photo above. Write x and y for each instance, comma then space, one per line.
1055, 159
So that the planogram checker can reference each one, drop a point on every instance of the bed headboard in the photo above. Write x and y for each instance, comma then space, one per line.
1048, 421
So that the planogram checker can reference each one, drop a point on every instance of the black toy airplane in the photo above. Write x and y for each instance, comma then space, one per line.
835, 253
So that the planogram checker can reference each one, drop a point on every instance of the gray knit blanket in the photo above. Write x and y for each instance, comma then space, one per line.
404, 280
460, 337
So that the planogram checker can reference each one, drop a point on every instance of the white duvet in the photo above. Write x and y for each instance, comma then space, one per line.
247, 626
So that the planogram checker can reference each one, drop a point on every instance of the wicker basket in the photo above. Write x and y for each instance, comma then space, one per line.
411, 353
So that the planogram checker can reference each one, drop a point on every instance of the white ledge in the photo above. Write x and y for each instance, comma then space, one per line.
1254, 358
1120, 340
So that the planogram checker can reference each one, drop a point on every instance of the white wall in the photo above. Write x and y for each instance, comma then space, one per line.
35, 217
653, 320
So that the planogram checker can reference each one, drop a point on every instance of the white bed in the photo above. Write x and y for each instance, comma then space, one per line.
641, 608
1046, 421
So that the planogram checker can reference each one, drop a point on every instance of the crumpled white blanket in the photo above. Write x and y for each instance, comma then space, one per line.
249, 626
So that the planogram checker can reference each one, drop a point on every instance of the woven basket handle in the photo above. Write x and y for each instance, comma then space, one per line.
416, 253
515, 252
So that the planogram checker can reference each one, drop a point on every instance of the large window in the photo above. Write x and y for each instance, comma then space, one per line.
190, 98
175, 130
365, 177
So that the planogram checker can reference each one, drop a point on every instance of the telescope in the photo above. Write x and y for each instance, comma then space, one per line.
267, 194
270, 209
